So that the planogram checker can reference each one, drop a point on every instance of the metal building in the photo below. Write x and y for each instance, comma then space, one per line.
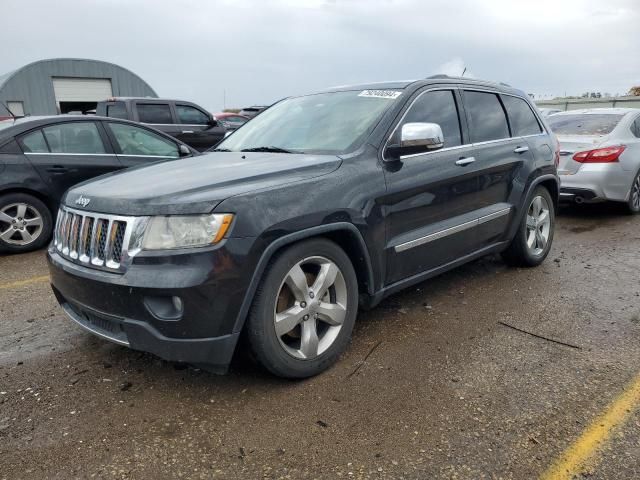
63, 85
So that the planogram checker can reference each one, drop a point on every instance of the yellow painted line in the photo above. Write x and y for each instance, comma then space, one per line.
574, 460
22, 283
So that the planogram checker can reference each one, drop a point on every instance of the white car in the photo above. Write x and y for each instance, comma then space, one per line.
599, 155
545, 112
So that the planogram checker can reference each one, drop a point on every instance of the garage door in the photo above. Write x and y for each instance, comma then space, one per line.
81, 89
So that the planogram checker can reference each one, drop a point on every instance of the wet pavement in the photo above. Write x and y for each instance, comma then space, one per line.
448, 389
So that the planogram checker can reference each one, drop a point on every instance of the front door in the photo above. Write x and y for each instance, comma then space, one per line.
68, 153
138, 145
197, 128
431, 202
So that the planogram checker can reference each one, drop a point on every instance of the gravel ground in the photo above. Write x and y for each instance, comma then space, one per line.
447, 390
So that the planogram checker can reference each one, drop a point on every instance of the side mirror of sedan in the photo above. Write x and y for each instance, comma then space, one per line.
415, 138
184, 150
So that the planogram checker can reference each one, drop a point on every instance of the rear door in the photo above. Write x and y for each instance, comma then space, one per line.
136, 145
197, 127
499, 158
68, 153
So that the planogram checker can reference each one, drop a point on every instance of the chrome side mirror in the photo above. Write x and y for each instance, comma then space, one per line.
427, 135
415, 138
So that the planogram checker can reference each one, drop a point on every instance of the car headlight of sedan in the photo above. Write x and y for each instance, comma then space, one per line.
184, 231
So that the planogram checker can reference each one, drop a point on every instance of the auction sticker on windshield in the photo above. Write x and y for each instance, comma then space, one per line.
392, 94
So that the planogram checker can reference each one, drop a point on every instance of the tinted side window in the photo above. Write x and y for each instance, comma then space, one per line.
438, 107
33, 143
139, 141
523, 120
154, 113
117, 110
76, 137
187, 114
486, 115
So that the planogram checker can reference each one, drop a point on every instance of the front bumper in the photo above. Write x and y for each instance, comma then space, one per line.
596, 182
181, 307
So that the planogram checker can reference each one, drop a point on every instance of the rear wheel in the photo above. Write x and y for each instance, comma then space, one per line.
25, 223
532, 241
634, 196
304, 310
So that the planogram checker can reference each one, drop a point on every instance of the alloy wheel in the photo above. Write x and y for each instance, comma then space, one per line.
20, 224
635, 194
310, 308
538, 225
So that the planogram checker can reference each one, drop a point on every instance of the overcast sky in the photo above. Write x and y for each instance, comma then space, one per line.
259, 50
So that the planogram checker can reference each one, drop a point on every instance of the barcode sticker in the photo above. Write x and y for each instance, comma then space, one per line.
390, 94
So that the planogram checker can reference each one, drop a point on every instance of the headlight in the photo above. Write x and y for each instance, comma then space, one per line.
185, 231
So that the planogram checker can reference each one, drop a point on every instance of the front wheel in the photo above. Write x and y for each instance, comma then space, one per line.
304, 310
25, 223
532, 241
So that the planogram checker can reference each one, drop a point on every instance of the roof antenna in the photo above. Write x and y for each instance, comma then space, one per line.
464, 71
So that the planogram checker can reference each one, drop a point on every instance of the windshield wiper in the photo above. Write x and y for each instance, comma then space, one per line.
266, 149
219, 150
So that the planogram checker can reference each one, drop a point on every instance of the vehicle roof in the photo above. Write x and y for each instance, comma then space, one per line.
435, 79
593, 111
228, 114
23, 124
151, 99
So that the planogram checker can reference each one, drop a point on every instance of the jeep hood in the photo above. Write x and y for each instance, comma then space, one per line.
194, 185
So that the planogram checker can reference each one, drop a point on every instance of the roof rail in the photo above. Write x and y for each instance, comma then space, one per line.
442, 75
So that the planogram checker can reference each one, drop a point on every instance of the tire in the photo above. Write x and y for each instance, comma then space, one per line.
25, 223
633, 204
277, 306
532, 241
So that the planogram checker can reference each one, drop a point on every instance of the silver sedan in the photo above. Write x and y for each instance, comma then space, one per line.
599, 155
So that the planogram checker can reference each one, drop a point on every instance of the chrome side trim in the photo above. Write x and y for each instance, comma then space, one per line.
73, 154
451, 230
435, 236
71, 314
494, 215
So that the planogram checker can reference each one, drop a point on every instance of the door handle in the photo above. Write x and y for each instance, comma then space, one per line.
187, 131
521, 149
465, 161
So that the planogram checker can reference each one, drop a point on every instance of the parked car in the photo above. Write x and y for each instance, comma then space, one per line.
185, 121
545, 112
231, 121
328, 201
251, 112
599, 155
41, 157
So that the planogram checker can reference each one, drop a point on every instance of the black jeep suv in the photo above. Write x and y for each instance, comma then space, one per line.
321, 203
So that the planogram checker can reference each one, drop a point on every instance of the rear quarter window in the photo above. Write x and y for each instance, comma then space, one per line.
523, 120
33, 142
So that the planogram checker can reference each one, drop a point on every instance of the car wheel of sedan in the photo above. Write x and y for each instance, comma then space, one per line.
634, 196
304, 310
532, 241
25, 223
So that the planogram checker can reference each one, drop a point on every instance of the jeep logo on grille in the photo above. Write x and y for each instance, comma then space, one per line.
82, 201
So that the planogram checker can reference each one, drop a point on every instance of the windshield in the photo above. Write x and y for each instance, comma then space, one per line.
325, 123
584, 124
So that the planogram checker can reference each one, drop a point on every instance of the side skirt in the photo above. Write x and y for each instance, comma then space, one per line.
376, 298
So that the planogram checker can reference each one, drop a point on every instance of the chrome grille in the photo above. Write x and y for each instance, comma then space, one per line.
94, 239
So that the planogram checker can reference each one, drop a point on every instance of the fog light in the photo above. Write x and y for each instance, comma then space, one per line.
167, 309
